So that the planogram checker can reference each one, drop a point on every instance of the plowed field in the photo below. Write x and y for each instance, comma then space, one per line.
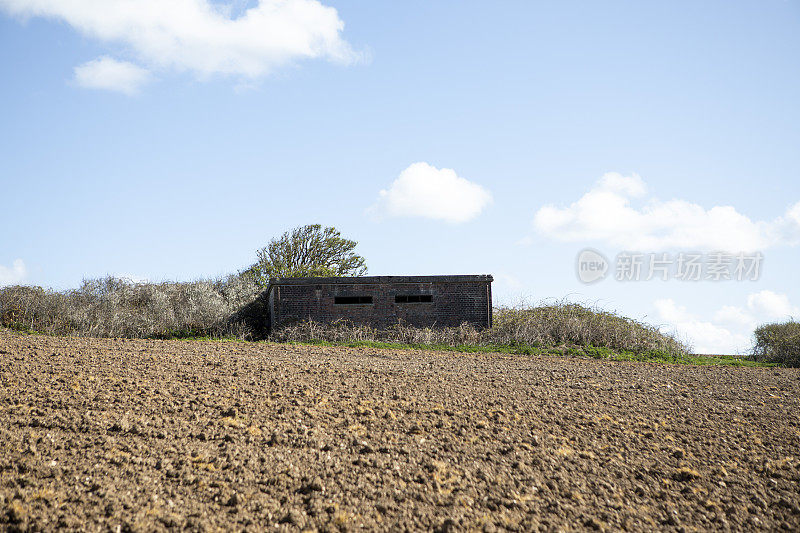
101, 434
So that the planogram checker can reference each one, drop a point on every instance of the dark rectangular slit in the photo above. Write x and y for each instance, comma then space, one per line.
351, 300
413, 298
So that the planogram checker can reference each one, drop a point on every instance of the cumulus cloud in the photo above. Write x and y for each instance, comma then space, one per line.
730, 328
771, 306
423, 190
615, 182
202, 37
609, 214
13, 275
109, 74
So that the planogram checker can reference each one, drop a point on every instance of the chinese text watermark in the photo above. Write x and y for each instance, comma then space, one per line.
592, 266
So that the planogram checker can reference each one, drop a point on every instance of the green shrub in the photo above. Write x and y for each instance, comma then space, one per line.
778, 343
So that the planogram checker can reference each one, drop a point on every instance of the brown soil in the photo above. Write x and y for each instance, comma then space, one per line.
147, 435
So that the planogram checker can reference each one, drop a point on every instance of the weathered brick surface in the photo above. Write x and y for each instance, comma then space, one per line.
455, 300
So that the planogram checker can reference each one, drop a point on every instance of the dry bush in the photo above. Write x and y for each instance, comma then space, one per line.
343, 331
778, 343
549, 325
335, 332
112, 307
565, 323
235, 306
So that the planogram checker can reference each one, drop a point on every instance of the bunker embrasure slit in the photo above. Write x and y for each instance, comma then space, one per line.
352, 300
413, 298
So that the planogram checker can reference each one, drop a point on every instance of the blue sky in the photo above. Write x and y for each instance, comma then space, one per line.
172, 142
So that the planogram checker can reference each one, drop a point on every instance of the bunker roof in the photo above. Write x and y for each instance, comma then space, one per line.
383, 280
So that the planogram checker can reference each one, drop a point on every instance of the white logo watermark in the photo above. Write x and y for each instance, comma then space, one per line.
592, 266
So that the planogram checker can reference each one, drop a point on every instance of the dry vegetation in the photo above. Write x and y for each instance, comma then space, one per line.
230, 307
113, 307
557, 324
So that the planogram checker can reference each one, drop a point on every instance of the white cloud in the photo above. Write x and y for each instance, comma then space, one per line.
109, 74
730, 329
772, 306
509, 290
13, 275
632, 185
607, 215
425, 191
734, 316
203, 37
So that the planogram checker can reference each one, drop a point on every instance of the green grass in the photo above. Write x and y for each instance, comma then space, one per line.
574, 351
727, 360
571, 351
20, 328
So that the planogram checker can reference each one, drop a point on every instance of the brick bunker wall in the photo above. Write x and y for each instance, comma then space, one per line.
452, 303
